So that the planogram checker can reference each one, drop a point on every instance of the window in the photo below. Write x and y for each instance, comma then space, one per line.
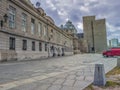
24, 44
12, 43
12, 12
40, 46
24, 22
32, 26
45, 47
39, 29
45, 30
33, 45
51, 30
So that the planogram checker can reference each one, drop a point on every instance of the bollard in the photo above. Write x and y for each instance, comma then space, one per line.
99, 75
118, 62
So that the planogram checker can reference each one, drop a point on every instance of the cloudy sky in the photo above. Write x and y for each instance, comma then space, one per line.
74, 10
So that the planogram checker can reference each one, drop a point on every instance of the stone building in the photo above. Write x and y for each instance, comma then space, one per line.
28, 33
114, 42
70, 29
94, 34
82, 43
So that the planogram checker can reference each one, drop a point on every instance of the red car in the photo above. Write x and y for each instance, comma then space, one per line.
112, 52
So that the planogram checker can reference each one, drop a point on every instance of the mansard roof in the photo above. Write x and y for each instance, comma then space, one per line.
69, 26
39, 10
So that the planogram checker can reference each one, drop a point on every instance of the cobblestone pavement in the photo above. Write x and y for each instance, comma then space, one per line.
64, 73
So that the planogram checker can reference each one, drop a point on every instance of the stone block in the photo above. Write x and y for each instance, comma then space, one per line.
54, 87
99, 75
69, 83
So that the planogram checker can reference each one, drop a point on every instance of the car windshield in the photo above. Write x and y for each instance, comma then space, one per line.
108, 49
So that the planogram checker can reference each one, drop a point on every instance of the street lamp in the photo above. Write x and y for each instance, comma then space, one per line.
5, 17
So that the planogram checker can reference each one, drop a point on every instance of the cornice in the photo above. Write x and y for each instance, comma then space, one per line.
34, 12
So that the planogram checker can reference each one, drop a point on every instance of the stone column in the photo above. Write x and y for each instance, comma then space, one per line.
118, 62
99, 75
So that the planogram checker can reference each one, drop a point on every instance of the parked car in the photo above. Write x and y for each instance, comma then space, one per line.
112, 52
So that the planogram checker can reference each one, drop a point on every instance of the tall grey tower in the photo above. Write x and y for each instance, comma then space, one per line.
94, 34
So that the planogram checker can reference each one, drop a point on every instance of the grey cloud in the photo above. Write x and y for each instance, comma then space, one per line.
108, 9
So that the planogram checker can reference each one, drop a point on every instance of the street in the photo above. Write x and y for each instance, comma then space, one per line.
63, 73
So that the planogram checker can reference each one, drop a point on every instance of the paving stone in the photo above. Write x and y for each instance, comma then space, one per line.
54, 87
71, 77
4, 80
47, 81
69, 82
80, 78
89, 78
62, 76
70, 88
59, 81
73, 80
30, 86
66, 88
79, 73
42, 86
72, 73
82, 84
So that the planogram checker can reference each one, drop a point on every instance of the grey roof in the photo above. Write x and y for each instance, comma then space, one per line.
69, 26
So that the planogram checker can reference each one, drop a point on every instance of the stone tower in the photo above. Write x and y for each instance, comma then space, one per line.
94, 34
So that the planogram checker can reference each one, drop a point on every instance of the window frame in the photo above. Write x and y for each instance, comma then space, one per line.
24, 44
33, 45
32, 26
12, 17
45, 46
24, 22
40, 46
45, 30
12, 43
40, 29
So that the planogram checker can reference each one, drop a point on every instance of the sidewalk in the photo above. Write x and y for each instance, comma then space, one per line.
76, 75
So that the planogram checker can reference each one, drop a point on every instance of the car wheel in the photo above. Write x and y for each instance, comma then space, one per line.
105, 55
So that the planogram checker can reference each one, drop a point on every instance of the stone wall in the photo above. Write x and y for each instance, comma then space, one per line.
95, 34
52, 35
100, 37
20, 54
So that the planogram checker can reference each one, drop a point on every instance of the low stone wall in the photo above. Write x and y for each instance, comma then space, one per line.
6, 55
31, 55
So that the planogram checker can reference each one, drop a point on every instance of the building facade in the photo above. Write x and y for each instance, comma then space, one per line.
28, 33
70, 29
114, 42
94, 34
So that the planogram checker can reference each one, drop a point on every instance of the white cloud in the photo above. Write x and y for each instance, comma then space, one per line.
74, 10
114, 35
62, 12
80, 25
84, 9
51, 5
112, 28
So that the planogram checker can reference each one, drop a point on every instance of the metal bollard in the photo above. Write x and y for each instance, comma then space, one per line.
99, 75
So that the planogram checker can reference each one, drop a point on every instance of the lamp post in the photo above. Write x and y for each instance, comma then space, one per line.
5, 17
